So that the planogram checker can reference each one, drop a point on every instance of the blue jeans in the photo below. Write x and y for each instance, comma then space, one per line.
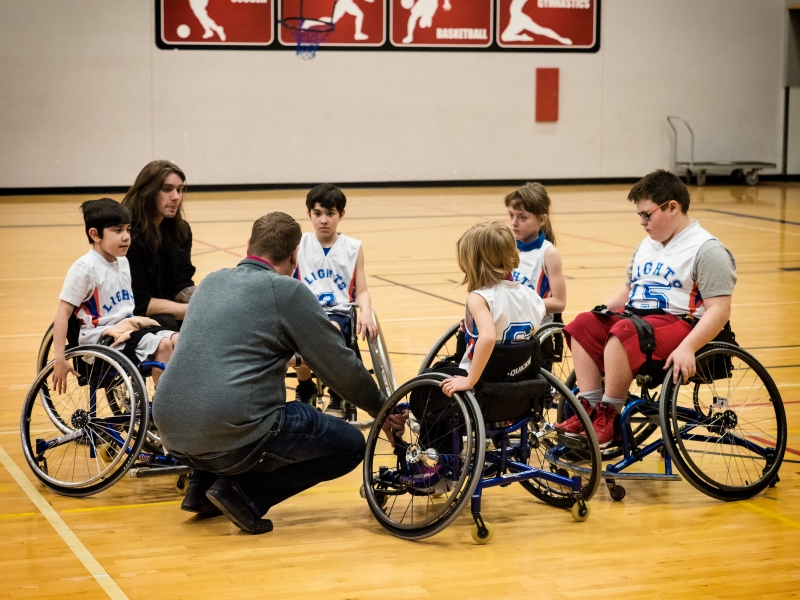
304, 448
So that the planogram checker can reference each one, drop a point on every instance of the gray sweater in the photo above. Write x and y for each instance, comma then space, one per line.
225, 382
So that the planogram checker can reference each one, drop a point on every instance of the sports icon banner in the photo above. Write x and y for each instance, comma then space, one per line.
441, 23
222, 23
356, 22
547, 24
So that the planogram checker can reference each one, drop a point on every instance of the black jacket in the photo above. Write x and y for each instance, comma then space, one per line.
159, 274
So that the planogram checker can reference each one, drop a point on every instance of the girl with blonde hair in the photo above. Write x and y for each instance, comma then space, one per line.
498, 310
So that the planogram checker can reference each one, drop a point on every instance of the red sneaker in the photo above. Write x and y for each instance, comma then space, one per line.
573, 424
603, 423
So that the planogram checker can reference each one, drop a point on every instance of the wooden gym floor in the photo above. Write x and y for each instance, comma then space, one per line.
663, 540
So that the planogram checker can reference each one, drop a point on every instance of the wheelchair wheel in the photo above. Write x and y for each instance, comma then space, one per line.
86, 446
419, 483
381, 363
725, 428
444, 347
556, 356
567, 455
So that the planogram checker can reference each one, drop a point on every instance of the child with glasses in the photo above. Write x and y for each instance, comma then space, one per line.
539, 261
678, 274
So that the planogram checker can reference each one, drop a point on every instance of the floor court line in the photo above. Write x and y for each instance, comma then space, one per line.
90, 562
120, 506
769, 513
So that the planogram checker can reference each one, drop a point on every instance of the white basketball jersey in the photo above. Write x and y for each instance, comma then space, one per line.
662, 275
531, 272
331, 277
517, 312
101, 293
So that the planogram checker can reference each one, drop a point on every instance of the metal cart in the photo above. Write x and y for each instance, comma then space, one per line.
741, 171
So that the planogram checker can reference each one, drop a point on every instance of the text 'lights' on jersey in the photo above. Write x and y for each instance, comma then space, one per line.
331, 276
531, 272
517, 312
662, 275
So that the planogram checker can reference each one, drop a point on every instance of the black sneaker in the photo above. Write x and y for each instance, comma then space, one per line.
335, 407
229, 498
195, 500
306, 391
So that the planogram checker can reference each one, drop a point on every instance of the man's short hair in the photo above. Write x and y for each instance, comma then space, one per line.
275, 236
103, 213
328, 196
661, 186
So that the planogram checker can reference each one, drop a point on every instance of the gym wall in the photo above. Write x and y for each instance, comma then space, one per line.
86, 99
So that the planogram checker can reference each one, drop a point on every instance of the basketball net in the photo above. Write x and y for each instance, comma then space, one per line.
309, 40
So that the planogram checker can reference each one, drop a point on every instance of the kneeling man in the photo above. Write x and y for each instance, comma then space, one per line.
222, 406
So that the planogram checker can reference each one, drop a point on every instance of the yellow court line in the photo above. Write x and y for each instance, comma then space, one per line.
90, 562
119, 506
770, 513
14, 515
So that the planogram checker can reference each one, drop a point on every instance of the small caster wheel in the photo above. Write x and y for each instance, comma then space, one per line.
485, 536
182, 483
661, 451
700, 177
774, 481
106, 453
617, 492
751, 178
580, 511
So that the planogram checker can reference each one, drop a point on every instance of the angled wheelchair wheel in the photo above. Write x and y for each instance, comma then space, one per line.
381, 363
725, 428
445, 347
548, 449
556, 355
418, 482
85, 446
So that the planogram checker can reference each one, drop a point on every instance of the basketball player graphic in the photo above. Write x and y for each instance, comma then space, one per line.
342, 8
209, 25
422, 11
519, 23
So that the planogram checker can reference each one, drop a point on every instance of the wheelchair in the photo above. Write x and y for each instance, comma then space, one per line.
83, 441
381, 366
502, 432
724, 429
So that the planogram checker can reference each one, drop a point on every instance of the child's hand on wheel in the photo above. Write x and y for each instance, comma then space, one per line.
457, 383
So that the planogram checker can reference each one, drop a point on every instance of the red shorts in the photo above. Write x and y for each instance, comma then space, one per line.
592, 332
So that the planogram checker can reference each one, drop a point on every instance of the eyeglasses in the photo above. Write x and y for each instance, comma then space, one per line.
647, 215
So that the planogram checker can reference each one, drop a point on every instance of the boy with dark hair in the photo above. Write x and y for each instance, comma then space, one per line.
331, 264
678, 274
97, 291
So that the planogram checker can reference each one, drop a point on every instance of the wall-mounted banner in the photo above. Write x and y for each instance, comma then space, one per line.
436, 23
214, 23
382, 25
546, 23
356, 22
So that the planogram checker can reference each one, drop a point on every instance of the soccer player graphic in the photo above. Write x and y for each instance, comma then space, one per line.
342, 8
210, 27
422, 11
519, 23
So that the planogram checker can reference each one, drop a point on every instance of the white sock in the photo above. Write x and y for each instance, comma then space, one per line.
615, 402
593, 398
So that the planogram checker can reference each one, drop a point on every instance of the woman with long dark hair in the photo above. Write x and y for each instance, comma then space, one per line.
161, 244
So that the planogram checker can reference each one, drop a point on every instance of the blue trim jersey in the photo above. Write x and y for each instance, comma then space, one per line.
330, 275
661, 276
101, 293
531, 272
517, 311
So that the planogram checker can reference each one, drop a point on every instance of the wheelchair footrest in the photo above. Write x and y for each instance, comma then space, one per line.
155, 471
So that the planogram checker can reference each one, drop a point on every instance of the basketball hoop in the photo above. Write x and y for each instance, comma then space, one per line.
309, 32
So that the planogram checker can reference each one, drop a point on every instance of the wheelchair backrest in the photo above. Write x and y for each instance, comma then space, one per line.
513, 362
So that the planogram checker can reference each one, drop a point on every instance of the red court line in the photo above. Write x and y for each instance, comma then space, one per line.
768, 443
768, 404
218, 248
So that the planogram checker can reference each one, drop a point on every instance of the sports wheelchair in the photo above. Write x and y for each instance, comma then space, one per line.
417, 482
83, 441
381, 365
724, 429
